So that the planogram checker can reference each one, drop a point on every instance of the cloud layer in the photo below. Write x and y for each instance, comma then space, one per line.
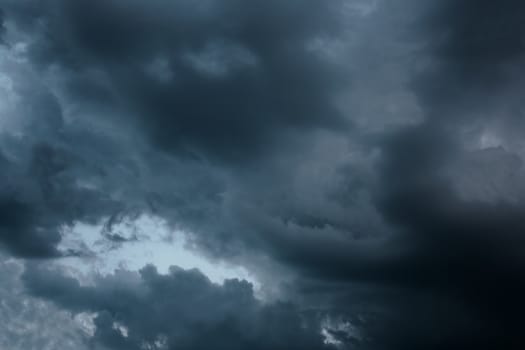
363, 159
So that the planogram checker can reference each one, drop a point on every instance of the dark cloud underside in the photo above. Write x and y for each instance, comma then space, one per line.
184, 310
363, 158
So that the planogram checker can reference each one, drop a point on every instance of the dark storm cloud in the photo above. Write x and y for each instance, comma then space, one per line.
450, 275
183, 310
21, 314
39, 198
453, 258
406, 222
220, 81
477, 52
464, 265
40, 191
223, 80
478, 36
57, 171
2, 28
476, 67
465, 253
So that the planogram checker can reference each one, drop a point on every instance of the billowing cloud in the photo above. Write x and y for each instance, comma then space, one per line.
29, 323
217, 80
363, 159
183, 310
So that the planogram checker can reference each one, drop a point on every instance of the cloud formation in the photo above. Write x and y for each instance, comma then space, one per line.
362, 158
184, 310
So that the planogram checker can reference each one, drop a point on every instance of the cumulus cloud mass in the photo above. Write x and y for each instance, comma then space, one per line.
265, 174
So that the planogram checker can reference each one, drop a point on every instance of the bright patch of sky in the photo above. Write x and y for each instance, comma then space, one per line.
149, 240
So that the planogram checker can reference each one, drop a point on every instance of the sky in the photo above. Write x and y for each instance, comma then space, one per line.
264, 174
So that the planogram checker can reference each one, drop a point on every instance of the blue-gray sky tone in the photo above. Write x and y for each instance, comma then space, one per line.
264, 174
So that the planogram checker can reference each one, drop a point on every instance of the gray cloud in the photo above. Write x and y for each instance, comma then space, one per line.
30, 323
372, 152
184, 310
219, 81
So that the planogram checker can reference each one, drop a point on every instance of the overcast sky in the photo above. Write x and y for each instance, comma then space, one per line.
263, 174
